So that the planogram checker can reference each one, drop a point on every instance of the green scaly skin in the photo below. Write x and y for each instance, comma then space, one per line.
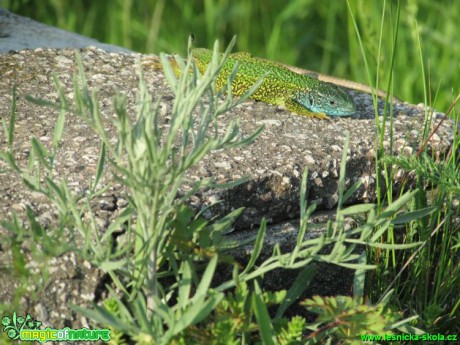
298, 93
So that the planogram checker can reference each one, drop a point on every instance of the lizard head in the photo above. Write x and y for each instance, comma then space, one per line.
328, 99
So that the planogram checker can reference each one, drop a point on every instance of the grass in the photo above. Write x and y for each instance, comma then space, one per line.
411, 239
312, 34
168, 241
425, 280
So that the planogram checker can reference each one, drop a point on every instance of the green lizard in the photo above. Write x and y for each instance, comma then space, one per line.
298, 93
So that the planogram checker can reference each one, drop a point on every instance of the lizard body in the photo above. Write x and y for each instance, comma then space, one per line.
298, 93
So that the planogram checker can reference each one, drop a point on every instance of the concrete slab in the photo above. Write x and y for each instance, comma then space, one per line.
18, 33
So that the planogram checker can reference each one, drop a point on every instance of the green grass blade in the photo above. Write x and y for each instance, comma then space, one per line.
257, 247
100, 168
262, 317
351, 191
398, 203
41, 152
296, 290
359, 280
413, 215
206, 279
197, 311
12, 119
185, 285
357, 209
343, 165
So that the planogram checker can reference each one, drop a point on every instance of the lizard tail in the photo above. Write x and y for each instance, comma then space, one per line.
154, 62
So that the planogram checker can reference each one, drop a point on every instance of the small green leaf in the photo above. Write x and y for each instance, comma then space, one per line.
263, 318
185, 284
413, 215
12, 119
206, 279
58, 129
404, 324
41, 152
357, 209
359, 279
298, 287
104, 317
257, 246
112, 265
224, 223
398, 203
394, 246
351, 190
196, 312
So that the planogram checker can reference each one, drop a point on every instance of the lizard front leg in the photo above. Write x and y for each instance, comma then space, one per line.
297, 108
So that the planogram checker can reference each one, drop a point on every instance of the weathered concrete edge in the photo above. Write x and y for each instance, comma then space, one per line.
18, 33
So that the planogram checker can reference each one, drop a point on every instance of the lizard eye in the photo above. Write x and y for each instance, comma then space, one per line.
311, 100
332, 102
